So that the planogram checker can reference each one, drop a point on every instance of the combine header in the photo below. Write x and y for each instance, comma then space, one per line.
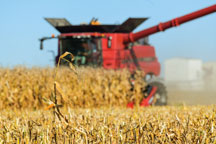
117, 47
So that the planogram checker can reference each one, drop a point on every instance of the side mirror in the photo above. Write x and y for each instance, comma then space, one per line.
45, 38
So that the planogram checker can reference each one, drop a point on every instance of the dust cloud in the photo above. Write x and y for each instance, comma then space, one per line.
201, 93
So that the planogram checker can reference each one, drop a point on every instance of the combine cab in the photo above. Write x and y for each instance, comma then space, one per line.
117, 47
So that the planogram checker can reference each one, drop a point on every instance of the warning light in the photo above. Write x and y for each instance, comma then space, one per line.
53, 35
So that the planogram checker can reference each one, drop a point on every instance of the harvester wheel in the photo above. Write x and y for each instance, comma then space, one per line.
161, 93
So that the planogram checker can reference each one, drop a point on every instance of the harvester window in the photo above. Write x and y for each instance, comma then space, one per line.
86, 51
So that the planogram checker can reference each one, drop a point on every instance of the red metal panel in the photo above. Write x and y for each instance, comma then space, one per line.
110, 64
144, 51
112, 55
146, 58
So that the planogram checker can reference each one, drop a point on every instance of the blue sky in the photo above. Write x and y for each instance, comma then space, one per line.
22, 24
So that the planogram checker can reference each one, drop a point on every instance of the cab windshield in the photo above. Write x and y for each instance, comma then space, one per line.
86, 51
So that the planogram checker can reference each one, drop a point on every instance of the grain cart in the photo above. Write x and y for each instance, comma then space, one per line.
117, 47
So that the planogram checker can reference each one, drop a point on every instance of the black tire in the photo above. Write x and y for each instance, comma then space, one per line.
161, 93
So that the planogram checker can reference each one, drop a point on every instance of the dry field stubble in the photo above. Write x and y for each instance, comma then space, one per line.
111, 125
93, 110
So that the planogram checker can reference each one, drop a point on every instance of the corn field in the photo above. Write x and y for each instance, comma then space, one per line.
90, 107
88, 87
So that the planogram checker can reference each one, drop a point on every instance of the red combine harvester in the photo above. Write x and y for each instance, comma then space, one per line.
117, 47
